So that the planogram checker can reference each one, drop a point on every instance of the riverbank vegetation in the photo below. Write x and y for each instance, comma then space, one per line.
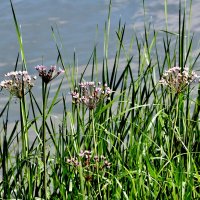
129, 129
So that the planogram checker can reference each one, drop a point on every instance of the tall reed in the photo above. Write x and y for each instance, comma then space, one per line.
135, 135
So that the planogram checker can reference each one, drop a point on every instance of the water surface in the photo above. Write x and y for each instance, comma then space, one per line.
77, 23
80, 25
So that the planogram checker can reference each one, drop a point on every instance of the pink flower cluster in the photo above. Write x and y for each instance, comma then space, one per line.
87, 160
90, 94
48, 75
17, 83
176, 79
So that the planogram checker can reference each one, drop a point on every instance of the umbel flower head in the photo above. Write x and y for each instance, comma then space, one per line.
49, 75
17, 83
90, 94
88, 160
90, 163
178, 80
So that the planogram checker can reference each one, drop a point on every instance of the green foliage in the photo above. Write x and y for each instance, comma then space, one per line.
147, 132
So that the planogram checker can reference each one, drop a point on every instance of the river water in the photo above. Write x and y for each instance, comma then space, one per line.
77, 22
80, 25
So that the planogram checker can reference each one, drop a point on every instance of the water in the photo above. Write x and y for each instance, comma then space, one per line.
77, 23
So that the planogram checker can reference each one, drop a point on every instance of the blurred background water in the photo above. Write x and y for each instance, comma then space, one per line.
80, 25
77, 22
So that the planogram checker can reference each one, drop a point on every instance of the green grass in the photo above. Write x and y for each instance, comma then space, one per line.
149, 133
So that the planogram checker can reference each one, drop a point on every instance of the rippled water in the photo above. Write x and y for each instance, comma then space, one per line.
77, 23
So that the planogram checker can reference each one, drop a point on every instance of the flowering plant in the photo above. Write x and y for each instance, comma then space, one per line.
87, 160
176, 79
49, 75
91, 164
90, 94
17, 83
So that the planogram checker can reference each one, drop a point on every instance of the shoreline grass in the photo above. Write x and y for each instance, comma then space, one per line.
134, 136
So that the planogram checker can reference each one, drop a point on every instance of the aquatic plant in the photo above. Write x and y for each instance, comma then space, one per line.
49, 75
46, 76
18, 83
141, 141
178, 79
87, 160
90, 94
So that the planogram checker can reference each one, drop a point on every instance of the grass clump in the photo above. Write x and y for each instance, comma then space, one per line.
133, 136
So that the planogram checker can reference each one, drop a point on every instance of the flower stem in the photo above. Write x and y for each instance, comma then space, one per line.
44, 96
95, 145
22, 130
94, 133
25, 141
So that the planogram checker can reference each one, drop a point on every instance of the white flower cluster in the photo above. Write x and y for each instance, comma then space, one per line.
17, 82
87, 160
176, 79
90, 94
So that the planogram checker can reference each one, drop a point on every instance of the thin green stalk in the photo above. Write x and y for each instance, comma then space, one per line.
95, 140
25, 141
166, 15
44, 101
23, 132
6, 192
93, 131
19, 36
176, 120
